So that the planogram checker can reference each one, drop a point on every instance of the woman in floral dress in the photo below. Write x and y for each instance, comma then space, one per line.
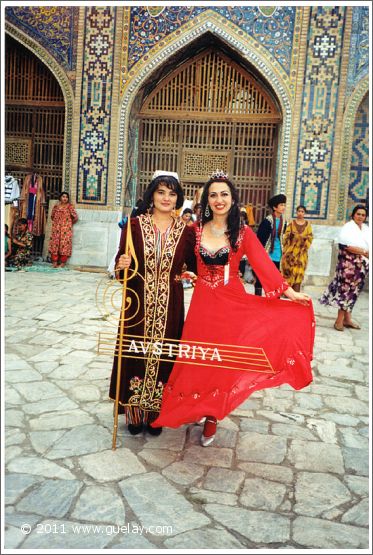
63, 218
22, 242
352, 268
296, 242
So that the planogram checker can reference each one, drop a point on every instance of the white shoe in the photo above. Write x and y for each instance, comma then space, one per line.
210, 429
206, 441
201, 422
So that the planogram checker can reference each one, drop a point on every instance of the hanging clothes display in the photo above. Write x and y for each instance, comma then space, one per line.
32, 204
11, 189
11, 196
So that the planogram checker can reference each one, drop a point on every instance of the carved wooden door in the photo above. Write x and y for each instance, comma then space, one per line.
34, 119
209, 114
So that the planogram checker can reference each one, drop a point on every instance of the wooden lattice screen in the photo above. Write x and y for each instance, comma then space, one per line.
211, 114
34, 120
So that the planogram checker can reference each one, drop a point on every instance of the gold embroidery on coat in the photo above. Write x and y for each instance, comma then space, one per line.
156, 301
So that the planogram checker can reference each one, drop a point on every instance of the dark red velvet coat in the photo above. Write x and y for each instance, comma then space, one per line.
157, 293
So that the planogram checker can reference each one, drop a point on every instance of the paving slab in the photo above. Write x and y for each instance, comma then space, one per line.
52, 497
318, 533
317, 493
256, 526
146, 496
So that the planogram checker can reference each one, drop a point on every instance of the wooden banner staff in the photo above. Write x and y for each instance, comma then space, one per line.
130, 251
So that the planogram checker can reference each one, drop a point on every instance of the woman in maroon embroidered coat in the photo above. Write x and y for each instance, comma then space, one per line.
279, 333
162, 245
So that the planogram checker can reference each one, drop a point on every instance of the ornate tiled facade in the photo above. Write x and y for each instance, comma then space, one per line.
231, 33
359, 169
299, 57
359, 48
320, 100
66, 88
55, 28
96, 105
354, 103
275, 33
147, 31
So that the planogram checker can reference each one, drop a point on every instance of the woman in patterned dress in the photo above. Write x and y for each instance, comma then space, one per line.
229, 326
22, 242
352, 268
60, 244
162, 245
295, 244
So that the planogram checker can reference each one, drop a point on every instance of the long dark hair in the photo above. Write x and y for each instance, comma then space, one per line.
359, 207
170, 182
234, 220
64, 193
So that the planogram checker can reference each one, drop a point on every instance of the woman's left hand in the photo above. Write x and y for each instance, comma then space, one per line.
301, 298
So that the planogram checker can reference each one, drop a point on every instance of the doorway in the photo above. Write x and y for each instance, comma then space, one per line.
34, 122
211, 113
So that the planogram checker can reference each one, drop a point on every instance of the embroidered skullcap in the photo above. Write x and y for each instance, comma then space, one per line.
158, 173
276, 200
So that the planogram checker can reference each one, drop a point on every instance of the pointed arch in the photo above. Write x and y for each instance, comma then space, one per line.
212, 84
361, 90
209, 22
66, 88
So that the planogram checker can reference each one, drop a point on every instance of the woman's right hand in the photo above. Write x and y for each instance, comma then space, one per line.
124, 262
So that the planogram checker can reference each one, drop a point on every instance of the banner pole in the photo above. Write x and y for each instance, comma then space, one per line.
127, 251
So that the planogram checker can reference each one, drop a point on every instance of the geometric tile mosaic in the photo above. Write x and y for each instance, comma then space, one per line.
359, 47
96, 104
359, 169
212, 22
318, 113
272, 28
55, 28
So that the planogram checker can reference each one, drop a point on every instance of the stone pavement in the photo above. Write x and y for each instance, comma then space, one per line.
288, 470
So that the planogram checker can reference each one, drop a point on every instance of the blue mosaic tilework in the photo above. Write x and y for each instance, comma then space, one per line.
274, 32
320, 99
359, 47
359, 170
96, 102
55, 28
179, 40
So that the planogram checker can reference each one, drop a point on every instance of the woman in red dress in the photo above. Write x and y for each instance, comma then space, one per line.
254, 342
63, 217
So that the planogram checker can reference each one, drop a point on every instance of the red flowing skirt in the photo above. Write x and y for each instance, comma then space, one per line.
238, 325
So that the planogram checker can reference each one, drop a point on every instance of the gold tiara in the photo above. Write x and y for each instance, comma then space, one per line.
219, 174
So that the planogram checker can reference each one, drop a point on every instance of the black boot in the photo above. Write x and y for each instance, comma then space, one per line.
135, 430
154, 431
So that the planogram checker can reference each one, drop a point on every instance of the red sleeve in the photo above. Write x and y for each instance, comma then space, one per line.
73, 213
269, 276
